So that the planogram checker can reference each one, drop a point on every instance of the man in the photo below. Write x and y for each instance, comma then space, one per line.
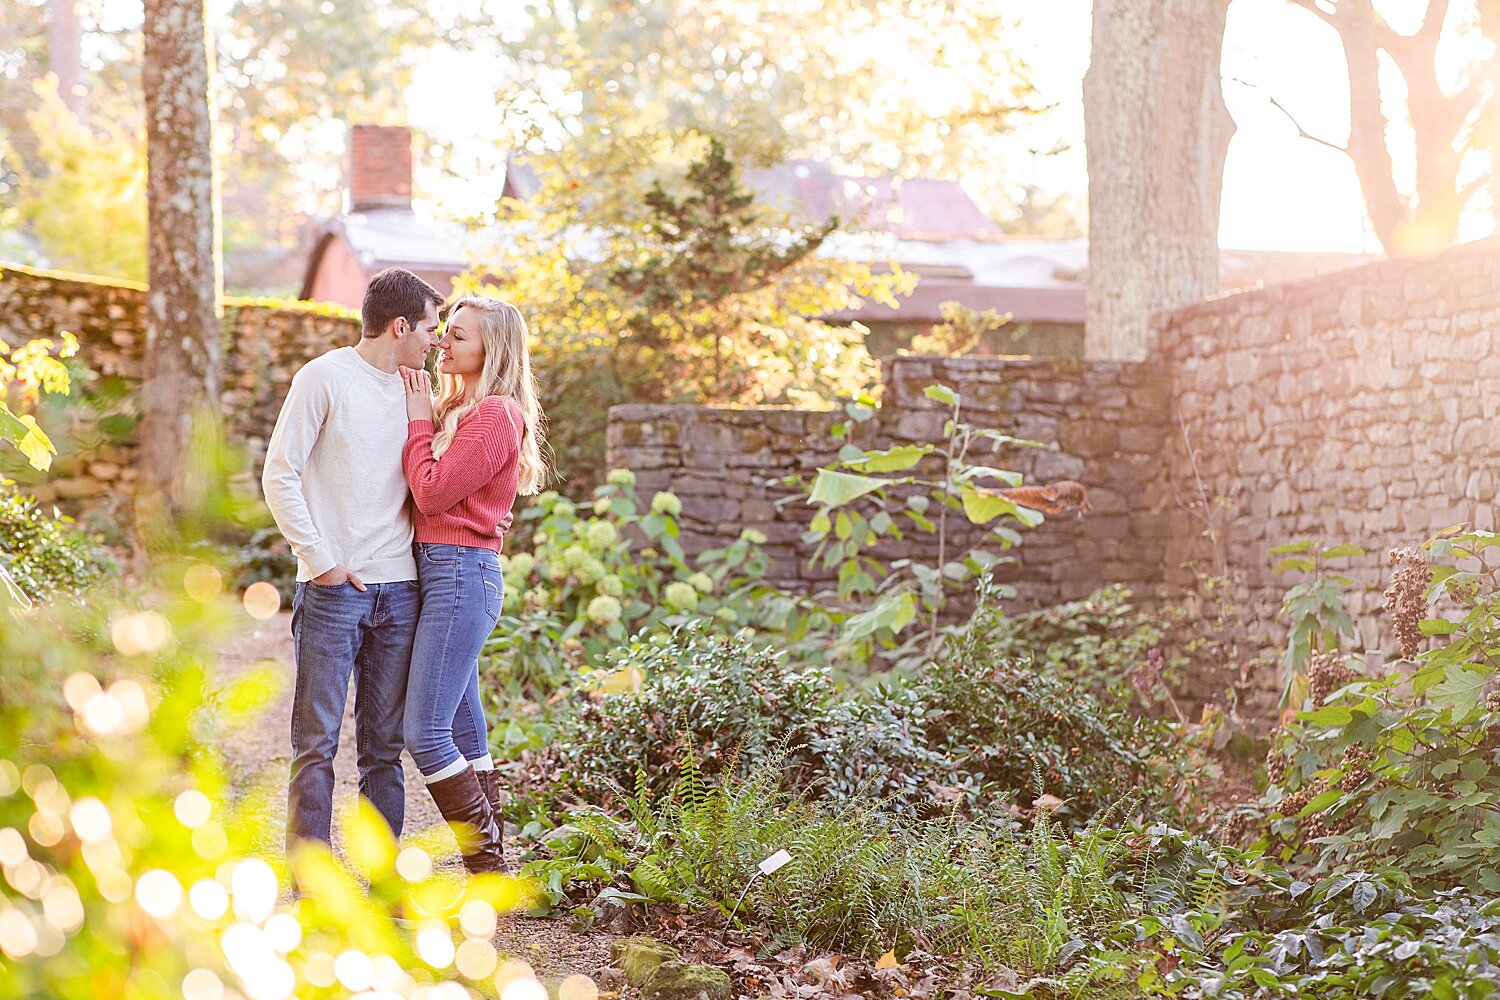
334, 483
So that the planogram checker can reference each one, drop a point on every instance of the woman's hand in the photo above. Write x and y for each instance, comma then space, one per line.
418, 393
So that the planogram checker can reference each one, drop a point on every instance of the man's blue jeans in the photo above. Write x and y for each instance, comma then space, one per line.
461, 590
337, 631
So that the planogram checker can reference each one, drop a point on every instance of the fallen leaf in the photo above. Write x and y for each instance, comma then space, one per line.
888, 961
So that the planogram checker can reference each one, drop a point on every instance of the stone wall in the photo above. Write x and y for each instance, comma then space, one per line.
1359, 407
94, 428
1110, 424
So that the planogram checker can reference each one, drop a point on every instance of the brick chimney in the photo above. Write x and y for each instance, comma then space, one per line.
379, 167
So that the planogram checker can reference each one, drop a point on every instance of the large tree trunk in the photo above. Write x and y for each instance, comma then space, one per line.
1156, 131
65, 55
183, 352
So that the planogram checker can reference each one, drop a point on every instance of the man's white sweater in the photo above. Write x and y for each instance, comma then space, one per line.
333, 476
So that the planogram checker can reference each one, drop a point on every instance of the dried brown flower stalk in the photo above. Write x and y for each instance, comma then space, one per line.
1406, 599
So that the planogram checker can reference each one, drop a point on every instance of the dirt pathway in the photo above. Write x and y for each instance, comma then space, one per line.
258, 759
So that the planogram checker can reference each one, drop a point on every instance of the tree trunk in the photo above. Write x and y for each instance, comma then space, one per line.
1439, 122
65, 55
183, 351
1156, 131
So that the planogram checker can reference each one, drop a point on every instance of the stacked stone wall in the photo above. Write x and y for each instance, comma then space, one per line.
1358, 407
1108, 422
265, 342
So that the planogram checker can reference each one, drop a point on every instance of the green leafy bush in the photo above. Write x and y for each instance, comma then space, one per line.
43, 554
854, 884
1402, 768
1102, 643
129, 870
974, 731
594, 575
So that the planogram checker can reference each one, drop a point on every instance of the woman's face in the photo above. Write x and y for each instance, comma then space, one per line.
461, 347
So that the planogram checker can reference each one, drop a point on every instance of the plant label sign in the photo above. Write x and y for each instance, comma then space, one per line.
775, 862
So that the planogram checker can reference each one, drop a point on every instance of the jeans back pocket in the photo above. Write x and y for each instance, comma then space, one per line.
493, 584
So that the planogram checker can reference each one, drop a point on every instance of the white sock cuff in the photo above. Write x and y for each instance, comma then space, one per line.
485, 763
456, 767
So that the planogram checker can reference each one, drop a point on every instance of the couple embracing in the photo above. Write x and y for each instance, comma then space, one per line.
396, 505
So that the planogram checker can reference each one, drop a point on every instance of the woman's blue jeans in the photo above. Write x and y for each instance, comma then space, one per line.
461, 591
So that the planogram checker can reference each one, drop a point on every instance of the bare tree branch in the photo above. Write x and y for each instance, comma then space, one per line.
1432, 22
1310, 5
1302, 133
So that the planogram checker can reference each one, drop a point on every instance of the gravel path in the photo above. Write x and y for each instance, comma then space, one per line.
258, 757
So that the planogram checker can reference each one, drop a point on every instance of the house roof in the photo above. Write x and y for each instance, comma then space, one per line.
919, 208
929, 227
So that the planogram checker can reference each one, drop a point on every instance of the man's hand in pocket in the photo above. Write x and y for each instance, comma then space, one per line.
339, 574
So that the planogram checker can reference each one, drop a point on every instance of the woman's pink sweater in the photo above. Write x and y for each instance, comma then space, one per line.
465, 497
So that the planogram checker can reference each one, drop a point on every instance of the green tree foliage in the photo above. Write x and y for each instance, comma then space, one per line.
282, 89
914, 84
663, 281
84, 200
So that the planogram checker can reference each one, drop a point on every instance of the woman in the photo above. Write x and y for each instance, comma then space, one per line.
466, 459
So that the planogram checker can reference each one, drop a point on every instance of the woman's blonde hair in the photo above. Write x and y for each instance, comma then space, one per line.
506, 372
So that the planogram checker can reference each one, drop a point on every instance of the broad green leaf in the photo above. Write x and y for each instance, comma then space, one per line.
368, 840
981, 508
1340, 551
1460, 692
1321, 801
834, 489
894, 612
891, 460
1437, 626
1432, 674
1328, 715
974, 472
27, 437
940, 393
1290, 548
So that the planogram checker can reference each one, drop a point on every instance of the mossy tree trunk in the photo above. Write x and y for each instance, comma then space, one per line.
183, 355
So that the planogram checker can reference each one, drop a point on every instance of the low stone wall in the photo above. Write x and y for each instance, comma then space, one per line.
1109, 422
1360, 407
94, 428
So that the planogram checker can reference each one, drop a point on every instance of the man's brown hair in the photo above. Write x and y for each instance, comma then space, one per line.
395, 292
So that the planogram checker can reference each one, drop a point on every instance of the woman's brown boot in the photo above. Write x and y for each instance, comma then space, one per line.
462, 801
490, 782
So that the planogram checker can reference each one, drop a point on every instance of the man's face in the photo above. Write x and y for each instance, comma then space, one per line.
413, 343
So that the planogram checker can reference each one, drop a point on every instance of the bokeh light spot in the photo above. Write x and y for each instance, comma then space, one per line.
475, 959
201, 984
140, 633
577, 987
414, 864
159, 893
477, 918
261, 600
208, 899
203, 583
435, 946
91, 820
192, 808
253, 887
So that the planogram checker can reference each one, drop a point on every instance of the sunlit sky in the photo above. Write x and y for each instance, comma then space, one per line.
1280, 191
